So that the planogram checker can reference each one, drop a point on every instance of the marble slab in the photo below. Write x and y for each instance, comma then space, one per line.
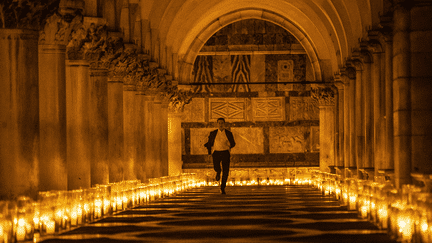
268, 109
194, 111
249, 140
198, 137
303, 108
232, 109
286, 139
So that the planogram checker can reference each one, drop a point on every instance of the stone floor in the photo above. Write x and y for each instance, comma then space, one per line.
244, 214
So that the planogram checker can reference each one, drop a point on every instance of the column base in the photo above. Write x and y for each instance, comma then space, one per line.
423, 180
351, 172
385, 175
367, 173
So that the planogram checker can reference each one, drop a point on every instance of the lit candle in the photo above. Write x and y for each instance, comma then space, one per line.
21, 230
50, 227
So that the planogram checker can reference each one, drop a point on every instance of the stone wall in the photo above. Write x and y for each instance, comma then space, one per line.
275, 123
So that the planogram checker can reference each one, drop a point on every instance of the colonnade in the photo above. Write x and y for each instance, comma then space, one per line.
383, 103
70, 122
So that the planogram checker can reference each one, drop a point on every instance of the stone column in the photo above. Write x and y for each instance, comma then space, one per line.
402, 98
98, 115
367, 164
157, 131
352, 161
77, 124
340, 148
359, 118
326, 101
421, 87
174, 143
52, 117
19, 119
130, 129
387, 164
140, 135
378, 112
115, 129
164, 138
346, 124
149, 136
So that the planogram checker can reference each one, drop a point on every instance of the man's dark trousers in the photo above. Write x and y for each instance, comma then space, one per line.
224, 157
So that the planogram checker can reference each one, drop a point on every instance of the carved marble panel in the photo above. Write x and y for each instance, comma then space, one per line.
194, 111
303, 108
249, 140
286, 139
268, 109
285, 74
198, 137
232, 109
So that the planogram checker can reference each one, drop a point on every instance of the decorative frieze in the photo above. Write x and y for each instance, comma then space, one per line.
303, 108
268, 109
232, 109
287, 139
324, 96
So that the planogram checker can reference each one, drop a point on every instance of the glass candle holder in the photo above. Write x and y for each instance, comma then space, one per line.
352, 194
88, 204
48, 203
23, 223
7, 211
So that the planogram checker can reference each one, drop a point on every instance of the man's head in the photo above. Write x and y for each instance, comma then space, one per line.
221, 123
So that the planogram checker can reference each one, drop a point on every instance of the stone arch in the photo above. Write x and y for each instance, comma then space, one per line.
186, 64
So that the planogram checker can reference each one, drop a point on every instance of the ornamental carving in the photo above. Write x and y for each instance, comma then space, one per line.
58, 29
324, 96
25, 14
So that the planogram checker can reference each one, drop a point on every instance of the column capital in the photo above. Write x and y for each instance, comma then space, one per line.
324, 96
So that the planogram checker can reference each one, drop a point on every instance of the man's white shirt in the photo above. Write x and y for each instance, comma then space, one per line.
221, 142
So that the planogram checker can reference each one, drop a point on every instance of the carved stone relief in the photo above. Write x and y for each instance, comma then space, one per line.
232, 109
303, 108
268, 109
324, 96
286, 140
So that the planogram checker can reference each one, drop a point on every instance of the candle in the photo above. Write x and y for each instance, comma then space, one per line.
50, 227
21, 230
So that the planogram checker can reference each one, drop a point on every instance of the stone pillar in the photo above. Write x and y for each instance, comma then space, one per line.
378, 112
346, 125
340, 148
19, 119
157, 131
77, 124
140, 136
402, 95
359, 118
326, 101
115, 129
164, 138
352, 161
129, 123
52, 117
174, 143
98, 115
387, 164
149, 142
367, 164
421, 87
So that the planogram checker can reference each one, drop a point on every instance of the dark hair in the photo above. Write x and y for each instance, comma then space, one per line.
220, 119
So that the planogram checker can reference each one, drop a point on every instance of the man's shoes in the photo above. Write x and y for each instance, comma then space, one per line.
217, 177
223, 191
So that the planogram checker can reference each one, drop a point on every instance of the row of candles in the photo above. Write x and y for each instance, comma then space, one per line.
56, 211
405, 213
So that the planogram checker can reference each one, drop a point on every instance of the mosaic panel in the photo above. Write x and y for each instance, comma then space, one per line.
286, 139
268, 109
232, 109
198, 137
249, 140
303, 108
194, 111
